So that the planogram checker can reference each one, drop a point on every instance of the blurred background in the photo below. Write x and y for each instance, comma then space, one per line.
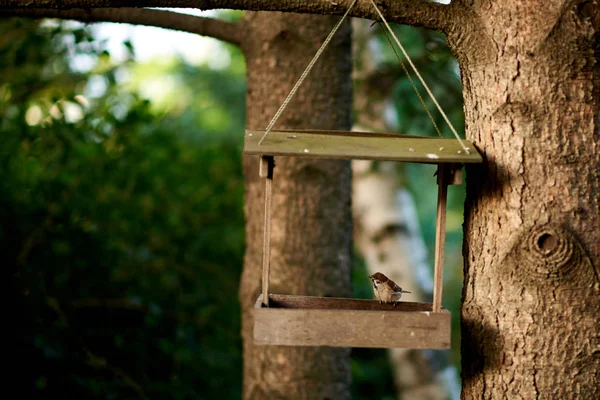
121, 206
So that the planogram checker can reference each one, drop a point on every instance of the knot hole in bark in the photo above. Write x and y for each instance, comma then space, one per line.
589, 10
550, 250
547, 242
553, 253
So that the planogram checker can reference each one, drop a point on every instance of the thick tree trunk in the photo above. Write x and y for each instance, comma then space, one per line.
531, 78
311, 228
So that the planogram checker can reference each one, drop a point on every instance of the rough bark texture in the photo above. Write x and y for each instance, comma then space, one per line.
227, 31
415, 12
531, 79
311, 229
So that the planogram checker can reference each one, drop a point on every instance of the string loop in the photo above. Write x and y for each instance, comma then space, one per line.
322, 48
437, 129
465, 148
305, 73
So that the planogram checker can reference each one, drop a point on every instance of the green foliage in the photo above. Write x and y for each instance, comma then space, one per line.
437, 65
121, 218
122, 229
439, 69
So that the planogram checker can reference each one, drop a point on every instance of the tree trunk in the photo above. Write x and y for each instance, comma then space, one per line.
386, 228
389, 240
531, 299
311, 227
531, 80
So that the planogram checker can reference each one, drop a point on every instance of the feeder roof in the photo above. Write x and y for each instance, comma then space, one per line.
360, 145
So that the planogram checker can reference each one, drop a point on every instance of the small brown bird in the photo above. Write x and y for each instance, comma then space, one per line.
386, 290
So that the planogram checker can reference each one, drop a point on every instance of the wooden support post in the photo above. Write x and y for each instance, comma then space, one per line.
267, 163
443, 173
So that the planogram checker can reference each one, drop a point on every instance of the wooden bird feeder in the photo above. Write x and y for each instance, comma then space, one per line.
324, 321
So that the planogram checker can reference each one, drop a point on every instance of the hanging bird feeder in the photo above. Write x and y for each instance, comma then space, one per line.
287, 320
324, 321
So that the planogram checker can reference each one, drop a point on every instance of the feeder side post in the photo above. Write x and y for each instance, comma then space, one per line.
267, 163
440, 235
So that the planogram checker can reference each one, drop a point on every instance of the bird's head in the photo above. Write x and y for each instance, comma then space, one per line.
378, 278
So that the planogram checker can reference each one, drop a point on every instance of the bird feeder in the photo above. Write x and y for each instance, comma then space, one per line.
287, 320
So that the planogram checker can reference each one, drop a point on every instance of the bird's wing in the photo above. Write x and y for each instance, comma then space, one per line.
394, 286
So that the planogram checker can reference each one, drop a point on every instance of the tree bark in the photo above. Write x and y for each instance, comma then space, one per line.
531, 77
414, 12
222, 30
531, 301
311, 227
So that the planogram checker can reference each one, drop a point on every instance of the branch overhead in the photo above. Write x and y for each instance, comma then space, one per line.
420, 13
227, 31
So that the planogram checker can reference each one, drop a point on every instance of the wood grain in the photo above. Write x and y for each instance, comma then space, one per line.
338, 303
360, 145
455, 175
267, 164
336, 322
440, 235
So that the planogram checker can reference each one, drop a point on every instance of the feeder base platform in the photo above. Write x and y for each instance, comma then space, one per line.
338, 322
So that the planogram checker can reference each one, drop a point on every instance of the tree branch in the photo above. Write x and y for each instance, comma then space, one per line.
227, 31
421, 13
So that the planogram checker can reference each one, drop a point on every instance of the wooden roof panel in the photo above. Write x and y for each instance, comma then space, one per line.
360, 145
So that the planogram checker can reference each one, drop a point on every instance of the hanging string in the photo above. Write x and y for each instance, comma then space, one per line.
465, 148
437, 129
305, 73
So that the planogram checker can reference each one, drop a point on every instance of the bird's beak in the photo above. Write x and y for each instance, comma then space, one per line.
405, 291
370, 276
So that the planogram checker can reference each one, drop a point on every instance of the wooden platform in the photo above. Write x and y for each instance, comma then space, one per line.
336, 322
360, 145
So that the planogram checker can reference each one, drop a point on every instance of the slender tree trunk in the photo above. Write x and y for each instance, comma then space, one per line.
531, 309
386, 228
531, 78
387, 233
311, 228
